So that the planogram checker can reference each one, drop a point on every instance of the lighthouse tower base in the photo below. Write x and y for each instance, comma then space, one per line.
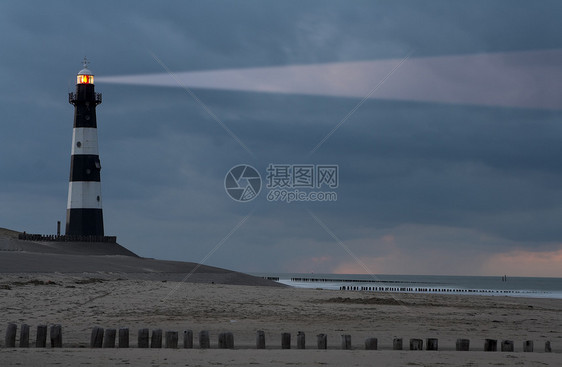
85, 222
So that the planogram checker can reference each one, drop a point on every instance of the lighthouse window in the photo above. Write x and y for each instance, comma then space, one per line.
78, 144
84, 79
98, 198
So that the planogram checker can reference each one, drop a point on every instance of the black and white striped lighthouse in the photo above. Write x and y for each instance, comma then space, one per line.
84, 215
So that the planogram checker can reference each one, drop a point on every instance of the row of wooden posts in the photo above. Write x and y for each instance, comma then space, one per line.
106, 338
55, 333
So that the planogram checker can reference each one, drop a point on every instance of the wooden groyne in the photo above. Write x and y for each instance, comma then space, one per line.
169, 339
411, 287
332, 280
55, 336
434, 290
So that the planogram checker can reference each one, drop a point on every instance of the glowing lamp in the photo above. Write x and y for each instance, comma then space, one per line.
84, 79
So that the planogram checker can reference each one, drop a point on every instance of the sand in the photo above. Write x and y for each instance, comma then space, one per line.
17, 256
82, 285
79, 301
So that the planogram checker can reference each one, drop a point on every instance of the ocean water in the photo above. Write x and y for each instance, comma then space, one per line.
438, 284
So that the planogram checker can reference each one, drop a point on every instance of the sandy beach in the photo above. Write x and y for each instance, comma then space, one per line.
80, 301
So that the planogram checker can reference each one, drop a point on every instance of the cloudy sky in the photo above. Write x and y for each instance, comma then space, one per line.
443, 117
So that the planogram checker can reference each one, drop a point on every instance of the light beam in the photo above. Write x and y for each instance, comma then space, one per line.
526, 79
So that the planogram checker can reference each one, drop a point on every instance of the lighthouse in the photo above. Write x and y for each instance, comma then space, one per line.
84, 216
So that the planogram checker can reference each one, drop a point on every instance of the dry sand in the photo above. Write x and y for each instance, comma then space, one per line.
80, 301
18, 256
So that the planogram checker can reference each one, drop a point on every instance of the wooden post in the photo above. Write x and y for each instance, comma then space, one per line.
416, 344
260, 339
507, 346
143, 338
56, 336
322, 341
204, 341
109, 338
156, 340
301, 340
528, 346
371, 344
123, 337
229, 340
490, 345
397, 344
463, 345
222, 340
188, 339
41, 339
171, 339
96, 338
10, 340
547, 347
346, 341
226, 340
432, 344
24, 336
285, 340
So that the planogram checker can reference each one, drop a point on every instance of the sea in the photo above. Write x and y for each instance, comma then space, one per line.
438, 284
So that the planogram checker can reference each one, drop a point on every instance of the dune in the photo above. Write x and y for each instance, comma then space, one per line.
22, 256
